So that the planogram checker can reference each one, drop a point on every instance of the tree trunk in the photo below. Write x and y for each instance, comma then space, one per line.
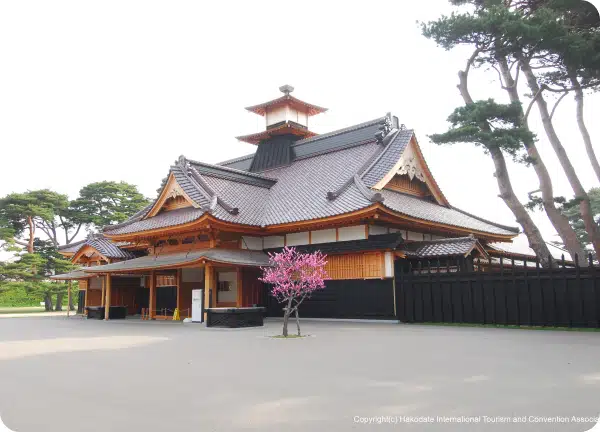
48, 302
587, 140
286, 317
584, 205
536, 241
59, 300
31, 234
298, 322
559, 221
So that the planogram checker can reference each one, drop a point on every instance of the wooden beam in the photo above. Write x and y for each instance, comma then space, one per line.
152, 296
107, 302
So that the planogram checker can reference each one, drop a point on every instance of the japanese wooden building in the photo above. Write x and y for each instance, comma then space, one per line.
363, 195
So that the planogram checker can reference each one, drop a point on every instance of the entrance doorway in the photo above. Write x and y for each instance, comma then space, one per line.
227, 288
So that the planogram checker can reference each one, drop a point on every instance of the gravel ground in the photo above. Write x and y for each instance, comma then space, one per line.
59, 374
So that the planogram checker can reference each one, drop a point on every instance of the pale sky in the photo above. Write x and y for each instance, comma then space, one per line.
117, 90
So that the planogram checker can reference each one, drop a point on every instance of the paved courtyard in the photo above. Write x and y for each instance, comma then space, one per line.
59, 374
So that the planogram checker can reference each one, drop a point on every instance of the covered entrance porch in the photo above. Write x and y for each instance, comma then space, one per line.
229, 278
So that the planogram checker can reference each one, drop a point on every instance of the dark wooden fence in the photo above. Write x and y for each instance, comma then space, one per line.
503, 293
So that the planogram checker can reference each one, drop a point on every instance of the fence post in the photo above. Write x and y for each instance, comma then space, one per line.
430, 292
439, 284
514, 284
528, 287
580, 290
567, 294
551, 279
459, 276
481, 288
592, 270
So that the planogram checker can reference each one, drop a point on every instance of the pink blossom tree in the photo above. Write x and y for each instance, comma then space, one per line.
294, 276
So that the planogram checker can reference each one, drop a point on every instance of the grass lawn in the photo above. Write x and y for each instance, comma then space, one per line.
516, 327
26, 309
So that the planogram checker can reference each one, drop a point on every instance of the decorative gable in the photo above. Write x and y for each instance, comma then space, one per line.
411, 175
172, 197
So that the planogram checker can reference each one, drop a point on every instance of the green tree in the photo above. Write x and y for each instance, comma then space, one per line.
525, 34
572, 211
22, 213
104, 203
478, 122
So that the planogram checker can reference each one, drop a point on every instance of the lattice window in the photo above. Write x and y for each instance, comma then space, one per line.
355, 266
165, 280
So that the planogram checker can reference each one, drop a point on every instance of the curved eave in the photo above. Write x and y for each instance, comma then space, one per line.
375, 211
310, 109
203, 222
287, 128
386, 213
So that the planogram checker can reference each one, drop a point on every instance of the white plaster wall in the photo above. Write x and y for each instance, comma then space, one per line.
227, 296
192, 274
95, 283
411, 235
389, 264
437, 237
352, 233
322, 236
377, 229
253, 243
276, 116
273, 242
296, 239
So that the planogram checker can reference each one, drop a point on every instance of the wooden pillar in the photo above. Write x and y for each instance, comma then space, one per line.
69, 298
85, 302
152, 302
103, 292
239, 299
178, 281
208, 285
107, 301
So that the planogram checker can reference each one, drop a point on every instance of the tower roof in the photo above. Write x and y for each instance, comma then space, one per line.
286, 99
285, 128
310, 109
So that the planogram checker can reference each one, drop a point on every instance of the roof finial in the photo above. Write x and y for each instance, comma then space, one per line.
286, 89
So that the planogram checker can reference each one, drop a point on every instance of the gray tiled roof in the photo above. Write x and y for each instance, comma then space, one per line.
108, 248
224, 256
388, 158
299, 191
439, 248
71, 248
74, 275
161, 220
427, 210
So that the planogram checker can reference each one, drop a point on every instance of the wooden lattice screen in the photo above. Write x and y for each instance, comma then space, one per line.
355, 266
165, 281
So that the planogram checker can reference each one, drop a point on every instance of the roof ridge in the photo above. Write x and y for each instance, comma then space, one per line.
133, 218
231, 170
506, 227
383, 151
447, 240
338, 132
237, 159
